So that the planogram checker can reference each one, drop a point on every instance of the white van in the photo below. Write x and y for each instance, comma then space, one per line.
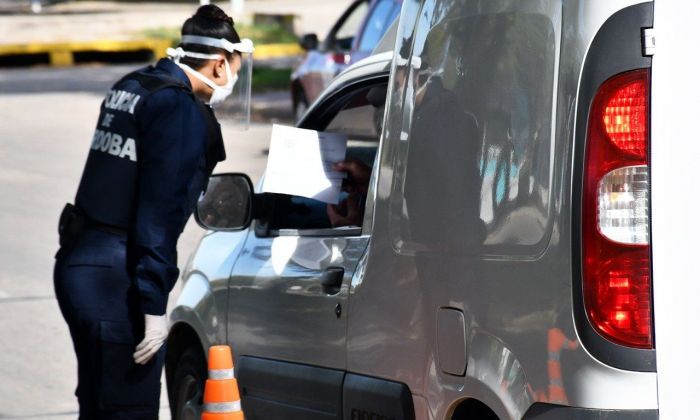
503, 266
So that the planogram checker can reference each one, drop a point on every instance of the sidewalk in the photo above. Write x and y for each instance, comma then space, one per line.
91, 20
65, 30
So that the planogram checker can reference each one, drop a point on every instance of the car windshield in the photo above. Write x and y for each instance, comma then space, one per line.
349, 28
382, 16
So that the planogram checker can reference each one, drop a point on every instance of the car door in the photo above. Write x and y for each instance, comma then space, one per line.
288, 291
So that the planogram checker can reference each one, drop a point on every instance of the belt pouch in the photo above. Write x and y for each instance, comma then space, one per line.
70, 225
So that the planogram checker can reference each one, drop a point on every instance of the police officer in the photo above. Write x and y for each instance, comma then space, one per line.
155, 145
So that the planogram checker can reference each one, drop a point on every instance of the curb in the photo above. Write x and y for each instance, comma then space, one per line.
267, 51
61, 54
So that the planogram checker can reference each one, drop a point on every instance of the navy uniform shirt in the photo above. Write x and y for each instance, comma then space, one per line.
146, 169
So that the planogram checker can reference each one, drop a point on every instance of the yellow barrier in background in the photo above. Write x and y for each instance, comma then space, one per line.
61, 53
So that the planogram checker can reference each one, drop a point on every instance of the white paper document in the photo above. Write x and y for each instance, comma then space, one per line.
301, 163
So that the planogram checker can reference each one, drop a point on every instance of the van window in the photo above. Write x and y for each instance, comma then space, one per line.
381, 18
359, 118
475, 166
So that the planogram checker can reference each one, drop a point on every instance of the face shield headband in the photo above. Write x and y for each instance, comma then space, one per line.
238, 107
243, 47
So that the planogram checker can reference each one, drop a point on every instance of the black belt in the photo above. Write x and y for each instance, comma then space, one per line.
106, 228
73, 222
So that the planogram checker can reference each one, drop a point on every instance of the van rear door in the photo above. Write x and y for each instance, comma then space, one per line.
675, 151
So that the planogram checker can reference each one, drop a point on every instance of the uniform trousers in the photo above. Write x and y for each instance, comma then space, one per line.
99, 302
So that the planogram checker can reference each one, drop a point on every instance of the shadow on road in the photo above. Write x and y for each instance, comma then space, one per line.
73, 414
91, 79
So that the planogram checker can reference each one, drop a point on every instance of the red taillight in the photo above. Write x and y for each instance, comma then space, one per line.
626, 115
616, 248
340, 58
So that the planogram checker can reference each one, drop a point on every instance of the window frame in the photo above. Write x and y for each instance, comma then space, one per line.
321, 116
330, 43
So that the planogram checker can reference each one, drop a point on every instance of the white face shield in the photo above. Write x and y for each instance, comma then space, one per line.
231, 100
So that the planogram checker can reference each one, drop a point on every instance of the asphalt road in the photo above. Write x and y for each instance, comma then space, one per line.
47, 118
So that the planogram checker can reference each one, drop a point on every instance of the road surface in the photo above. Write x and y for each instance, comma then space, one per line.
47, 118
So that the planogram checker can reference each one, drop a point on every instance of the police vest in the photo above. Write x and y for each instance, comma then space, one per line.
107, 191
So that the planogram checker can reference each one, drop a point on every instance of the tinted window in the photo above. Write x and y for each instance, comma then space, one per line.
383, 14
359, 123
478, 92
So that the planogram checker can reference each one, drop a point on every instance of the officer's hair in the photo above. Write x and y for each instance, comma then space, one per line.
209, 21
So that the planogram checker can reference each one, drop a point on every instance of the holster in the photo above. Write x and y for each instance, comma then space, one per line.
71, 225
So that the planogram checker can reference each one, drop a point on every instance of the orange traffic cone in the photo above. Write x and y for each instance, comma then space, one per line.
221, 398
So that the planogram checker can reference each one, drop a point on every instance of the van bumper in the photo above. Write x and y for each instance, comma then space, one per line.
541, 411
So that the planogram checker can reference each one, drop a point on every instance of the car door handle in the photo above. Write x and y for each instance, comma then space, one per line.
332, 279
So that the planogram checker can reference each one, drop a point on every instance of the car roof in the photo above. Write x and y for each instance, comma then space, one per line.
374, 65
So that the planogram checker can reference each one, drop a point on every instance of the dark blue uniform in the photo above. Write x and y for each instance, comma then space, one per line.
150, 159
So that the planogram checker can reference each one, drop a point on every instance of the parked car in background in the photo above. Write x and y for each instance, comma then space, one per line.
352, 38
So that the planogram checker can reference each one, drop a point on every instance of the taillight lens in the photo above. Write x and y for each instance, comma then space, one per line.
623, 205
340, 58
616, 246
625, 113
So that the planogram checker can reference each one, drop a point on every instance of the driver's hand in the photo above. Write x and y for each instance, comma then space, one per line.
358, 175
345, 213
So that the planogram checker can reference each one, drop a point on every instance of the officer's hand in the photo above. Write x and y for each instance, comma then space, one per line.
154, 336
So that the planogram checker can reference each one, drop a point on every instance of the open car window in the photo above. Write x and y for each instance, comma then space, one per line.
356, 113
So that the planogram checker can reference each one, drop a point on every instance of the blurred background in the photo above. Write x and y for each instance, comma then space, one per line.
57, 60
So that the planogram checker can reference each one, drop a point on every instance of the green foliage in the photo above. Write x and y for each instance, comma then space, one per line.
260, 34
267, 78
171, 33
267, 34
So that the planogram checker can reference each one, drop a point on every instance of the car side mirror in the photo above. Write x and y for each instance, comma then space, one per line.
309, 42
227, 203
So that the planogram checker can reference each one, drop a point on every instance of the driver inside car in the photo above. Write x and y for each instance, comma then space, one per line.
350, 210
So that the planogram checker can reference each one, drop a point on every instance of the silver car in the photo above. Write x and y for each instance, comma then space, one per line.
503, 265
352, 38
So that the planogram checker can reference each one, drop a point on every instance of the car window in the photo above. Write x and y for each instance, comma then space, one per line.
359, 118
358, 123
383, 14
349, 28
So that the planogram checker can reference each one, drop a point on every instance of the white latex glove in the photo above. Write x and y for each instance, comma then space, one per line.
156, 332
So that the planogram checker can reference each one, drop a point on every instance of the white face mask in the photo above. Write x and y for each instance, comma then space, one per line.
241, 108
220, 93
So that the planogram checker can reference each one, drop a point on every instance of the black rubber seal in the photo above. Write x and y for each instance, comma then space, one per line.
542, 411
617, 48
